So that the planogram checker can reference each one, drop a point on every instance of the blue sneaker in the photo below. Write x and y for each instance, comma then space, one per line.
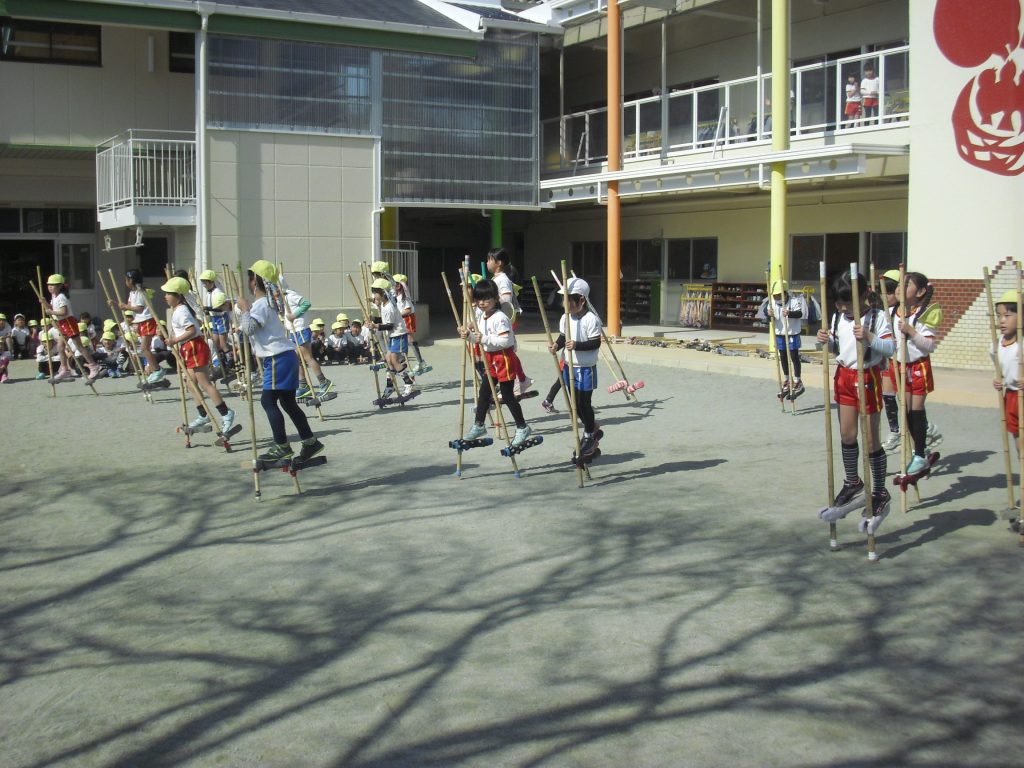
917, 464
302, 392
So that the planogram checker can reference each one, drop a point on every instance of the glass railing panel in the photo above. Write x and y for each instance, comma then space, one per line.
680, 121
650, 127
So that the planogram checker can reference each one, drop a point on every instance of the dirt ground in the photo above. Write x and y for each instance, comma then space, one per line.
681, 609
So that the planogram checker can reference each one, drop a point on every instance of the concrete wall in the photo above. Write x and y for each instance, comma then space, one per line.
304, 201
82, 106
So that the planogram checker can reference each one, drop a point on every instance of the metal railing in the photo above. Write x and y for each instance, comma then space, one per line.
737, 111
403, 257
146, 168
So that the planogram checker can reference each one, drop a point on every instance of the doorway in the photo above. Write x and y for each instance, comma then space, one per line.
19, 260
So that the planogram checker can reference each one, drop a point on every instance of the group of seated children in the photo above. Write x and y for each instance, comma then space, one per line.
348, 343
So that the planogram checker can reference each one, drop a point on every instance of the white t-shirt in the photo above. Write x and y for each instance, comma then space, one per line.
137, 298
1008, 364
796, 303
20, 334
58, 301
913, 353
265, 330
495, 331
585, 328
405, 305
335, 342
6, 331
299, 323
181, 321
847, 356
869, 87
390, 315
506, 294
853, 92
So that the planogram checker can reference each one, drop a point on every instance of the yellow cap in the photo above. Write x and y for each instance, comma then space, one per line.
82, 326
163, 323
379, 266
217, 298
342, 317
401, 278
176, 285
108, 336
336, 326
129, 313
32, 323
892, 274
207, 274
1010, 297
380, 284
108, 324
131, 338
3, 316
55, 279
265, 269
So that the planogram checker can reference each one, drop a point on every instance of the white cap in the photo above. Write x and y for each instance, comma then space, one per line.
578, 286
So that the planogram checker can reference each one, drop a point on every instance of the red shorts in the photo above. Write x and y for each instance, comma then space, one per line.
146, 328
846, 388
852, 108
919, 377
410, 322
68, 327
870, 101
502, 365
195, 353
1010, 409
890, 374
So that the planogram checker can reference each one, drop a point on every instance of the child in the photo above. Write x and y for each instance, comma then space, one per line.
5, 359
494, 335
869, 93
63, 316
872, 330
6, 335
21, 338
919, 380
499, 266
195, 353
853, 99
408, 310
318, 344
47, 351
785, 311
891, 281
216, 306
1007, 354
357, 343
398, 339
580, 336
335, 344
144, 323
295, 308
260, 322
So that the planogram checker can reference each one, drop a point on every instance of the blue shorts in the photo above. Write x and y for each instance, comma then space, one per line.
302, 337
399, 344
586, 377
281, 371
219, 325
794, 342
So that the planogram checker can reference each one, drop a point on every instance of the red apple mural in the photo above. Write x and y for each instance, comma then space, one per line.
988, 118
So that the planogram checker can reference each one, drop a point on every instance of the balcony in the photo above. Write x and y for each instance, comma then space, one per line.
146, 178
734, 114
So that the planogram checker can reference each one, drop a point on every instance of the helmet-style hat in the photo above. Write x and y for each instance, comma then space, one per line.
176, 285
380, 284
336, 326
55, 279
379, 266
217, 298
342, 317
892, 274
577, 286
208, 274
265, 269
1010, 297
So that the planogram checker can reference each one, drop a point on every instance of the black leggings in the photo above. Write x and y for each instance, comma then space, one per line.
270, 400
508, 397
794, 354
585, 410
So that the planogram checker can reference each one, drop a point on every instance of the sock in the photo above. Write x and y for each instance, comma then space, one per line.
322, 378
918, 430
222, 409
878, 468
405, 378
850, 453
892, 412
202, 411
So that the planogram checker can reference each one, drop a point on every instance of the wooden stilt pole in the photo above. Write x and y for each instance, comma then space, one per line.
571, 375
833, 535
247, 371
863, 414
46, 336
774, 340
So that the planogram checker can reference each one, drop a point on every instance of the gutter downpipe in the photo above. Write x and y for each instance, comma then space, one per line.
202, 258
614, 208
780, 135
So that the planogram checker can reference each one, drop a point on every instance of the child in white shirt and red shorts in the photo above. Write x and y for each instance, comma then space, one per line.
873, 331
144, 323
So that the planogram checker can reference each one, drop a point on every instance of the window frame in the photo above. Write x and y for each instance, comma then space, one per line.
51, 29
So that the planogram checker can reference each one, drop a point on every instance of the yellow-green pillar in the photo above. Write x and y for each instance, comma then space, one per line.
389, 224
780, 136
496, 229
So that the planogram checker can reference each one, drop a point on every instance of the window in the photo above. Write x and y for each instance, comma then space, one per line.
10, 220
152, 257
39, 220
45, 42
888, 250
76, 264
837, 249
692, 259
181, 48
78, 220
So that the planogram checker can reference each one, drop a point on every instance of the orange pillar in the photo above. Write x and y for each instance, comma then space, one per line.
614, 164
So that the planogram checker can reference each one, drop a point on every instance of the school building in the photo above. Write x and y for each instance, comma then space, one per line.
325, 133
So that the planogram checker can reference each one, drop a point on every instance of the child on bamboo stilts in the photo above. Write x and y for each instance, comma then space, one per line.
580, 338
920, 331
397, 350
195, 353
64, 318
408, 310
873, 331
1007, 354
261, 324
890, 390
144, 324
786, 311
497, 341
295, 308
503, 274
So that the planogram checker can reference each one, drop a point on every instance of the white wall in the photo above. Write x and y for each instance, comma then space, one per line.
963, 217
82, 106
304, 201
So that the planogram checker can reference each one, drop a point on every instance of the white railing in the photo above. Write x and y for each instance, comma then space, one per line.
736, 111
146, 168
402, 256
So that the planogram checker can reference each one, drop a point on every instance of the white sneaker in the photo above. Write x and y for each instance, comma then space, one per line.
407, 390
917, 464
198, 422
932, 435
475, 432
522, 387
521, 436
229, 420
155, 376
892, 442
